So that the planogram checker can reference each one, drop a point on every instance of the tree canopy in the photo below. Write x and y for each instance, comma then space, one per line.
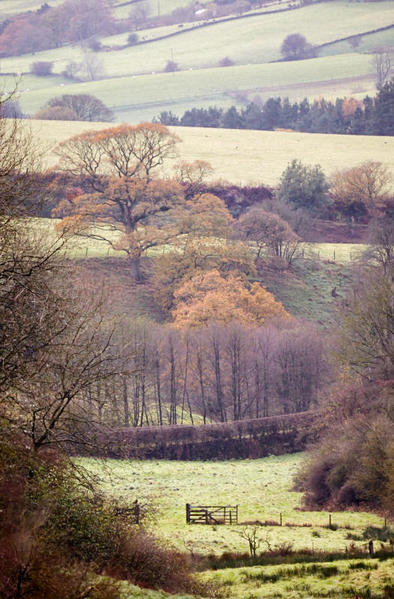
303, 186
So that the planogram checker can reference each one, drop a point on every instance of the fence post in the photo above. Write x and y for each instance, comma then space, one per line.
281, 519
329, 521
188, 513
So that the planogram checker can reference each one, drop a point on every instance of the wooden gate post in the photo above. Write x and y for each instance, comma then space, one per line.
188, 513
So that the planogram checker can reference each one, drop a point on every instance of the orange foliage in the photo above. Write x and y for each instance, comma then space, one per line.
349, 107
210, 297
206, 215
128, 206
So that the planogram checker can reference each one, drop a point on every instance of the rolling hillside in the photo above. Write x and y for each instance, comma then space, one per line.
134, 86
246, 156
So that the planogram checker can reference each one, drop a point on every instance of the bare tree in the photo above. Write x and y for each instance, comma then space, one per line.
252, 536
53, 341
382, 62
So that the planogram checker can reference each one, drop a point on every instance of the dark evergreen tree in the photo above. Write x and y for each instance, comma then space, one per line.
167, 118
383, 119
252, 117
231, 119
271, 114
289, 114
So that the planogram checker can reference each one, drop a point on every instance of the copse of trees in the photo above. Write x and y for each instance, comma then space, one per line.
213, 373
72, 21
75, 107
372, 116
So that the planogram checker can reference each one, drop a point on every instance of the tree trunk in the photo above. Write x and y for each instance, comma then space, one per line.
135, 268
126, 408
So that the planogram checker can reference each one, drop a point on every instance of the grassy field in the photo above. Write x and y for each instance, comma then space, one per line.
154, 7
245, 157
138, 90
134, 96
13, 7
251, 40
262, 488
342, 579
342, 253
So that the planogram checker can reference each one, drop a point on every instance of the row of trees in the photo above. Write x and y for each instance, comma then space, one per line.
372, 116
213, 374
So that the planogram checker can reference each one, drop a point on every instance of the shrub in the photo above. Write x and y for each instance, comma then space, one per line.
41, 68
72, 70
171, 67
294, 46
132, 39
85, 106
56, 113
94, 44
57, 533
226, 62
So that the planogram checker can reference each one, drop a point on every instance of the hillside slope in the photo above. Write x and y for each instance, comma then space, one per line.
132, 83
240, 156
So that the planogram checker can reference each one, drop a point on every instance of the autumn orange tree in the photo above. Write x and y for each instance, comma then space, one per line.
210, 297
117, 166
203, 245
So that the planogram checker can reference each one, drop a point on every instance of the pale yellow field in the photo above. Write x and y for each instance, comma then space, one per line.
246, 157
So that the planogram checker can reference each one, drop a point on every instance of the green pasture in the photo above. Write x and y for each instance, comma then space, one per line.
76, 247
336, 252
261, 488
134, 86
79, 247
155, 8
243, 157
129, 95
306, 290
13, 7
251, 40
369, 43
340, 579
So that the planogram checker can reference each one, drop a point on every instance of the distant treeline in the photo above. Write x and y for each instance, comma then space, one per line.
254, 438
371, 116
